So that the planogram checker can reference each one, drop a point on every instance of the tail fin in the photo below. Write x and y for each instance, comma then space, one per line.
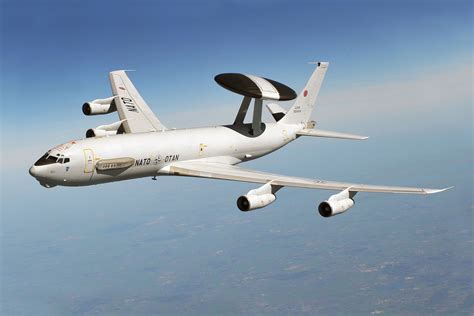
300, 112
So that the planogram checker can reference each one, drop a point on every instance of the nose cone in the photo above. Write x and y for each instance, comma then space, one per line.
34, 171
39, 173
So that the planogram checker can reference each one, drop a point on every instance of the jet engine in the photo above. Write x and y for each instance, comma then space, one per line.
99, 106
104, 130
337, 203
256, 198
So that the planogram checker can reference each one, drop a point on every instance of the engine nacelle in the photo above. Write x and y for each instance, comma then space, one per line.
331, 208
99, 106
252, 202
336, 204
257, 198
104, 130
94, 132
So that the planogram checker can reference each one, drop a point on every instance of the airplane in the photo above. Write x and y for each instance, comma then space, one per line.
139, 145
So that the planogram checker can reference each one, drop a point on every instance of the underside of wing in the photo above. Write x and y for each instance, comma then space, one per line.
229, 172
137, 117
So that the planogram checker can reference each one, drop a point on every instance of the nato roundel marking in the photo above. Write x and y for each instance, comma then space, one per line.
305, 93
244, 85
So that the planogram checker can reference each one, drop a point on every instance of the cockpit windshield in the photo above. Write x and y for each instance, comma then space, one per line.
48, 159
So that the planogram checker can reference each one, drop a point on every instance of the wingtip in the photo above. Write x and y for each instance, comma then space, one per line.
319, 63
433, 191
121, 70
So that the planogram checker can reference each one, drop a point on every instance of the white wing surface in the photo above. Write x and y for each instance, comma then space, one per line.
229, 172
137, 117
329, 134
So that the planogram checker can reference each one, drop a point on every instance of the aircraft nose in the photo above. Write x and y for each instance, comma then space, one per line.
38, 172
33, 171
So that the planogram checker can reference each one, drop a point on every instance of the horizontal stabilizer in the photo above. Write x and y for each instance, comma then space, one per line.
329, 134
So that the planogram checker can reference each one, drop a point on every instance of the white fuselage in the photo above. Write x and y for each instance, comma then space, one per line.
153, 151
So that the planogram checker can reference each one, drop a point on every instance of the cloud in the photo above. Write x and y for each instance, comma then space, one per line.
444, 87
447, 87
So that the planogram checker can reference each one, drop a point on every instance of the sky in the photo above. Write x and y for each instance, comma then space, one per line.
400, 72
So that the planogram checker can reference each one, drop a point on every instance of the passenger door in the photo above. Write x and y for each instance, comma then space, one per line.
88, 161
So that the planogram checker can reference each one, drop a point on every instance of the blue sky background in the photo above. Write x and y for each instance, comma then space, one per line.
401, 72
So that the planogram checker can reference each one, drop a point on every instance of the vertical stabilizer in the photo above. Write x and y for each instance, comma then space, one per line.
300, 112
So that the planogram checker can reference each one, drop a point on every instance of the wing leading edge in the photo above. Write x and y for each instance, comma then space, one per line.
229, 172
136, 115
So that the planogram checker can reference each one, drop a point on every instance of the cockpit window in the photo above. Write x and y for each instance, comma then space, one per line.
46, 159
63, 160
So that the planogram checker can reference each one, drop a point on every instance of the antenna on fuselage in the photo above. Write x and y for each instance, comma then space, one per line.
257, 88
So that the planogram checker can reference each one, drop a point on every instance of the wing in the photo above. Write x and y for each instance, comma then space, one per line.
131, 107
228, 172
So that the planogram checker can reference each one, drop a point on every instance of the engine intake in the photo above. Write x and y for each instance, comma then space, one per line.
104, 130
99, 106
252, 202
94, 132
337, 203
257, 198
